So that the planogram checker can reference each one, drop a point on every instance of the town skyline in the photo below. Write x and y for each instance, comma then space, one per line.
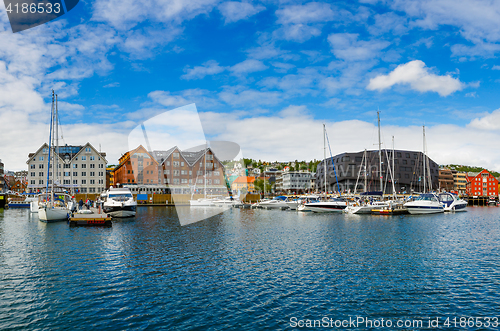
263, 74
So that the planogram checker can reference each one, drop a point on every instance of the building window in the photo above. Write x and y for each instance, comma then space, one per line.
67, 182
40, 174
84, 174
83, 189
176, 155
92, 166
84, 158
92, 190
92, 174
84, 181
75, 181
66, 174
176, 172
40, 166
40, 158
75, 166
33, 182
92, 158
40, 181
92, 181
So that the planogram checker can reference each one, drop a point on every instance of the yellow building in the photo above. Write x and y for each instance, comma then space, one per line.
243, 184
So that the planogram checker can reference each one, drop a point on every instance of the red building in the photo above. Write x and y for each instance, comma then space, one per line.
482, 184
136, 167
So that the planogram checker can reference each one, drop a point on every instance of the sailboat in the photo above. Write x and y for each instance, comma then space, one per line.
326, 206
367, 208
204, 202
426, 203
52, 206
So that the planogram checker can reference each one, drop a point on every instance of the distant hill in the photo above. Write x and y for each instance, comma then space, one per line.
471, 169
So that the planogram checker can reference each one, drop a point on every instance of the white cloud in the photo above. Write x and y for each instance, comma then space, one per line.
489, 122
312, 12
234, 11
300, 22
477, 20
294, 134
346, 46
198, 72
248, 66
495, 68
419, 78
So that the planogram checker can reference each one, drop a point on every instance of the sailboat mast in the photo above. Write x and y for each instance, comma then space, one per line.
379, 153
50, 148
324, 154
393, 173
423, 158
205, 188
365, 169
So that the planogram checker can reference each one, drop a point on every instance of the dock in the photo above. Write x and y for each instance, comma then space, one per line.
90, 219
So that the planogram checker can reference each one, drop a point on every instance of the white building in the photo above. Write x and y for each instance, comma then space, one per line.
81, 169
295, 181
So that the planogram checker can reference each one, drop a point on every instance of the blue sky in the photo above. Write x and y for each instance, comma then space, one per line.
264, 74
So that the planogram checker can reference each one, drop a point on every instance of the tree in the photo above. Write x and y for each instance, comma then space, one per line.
259, 185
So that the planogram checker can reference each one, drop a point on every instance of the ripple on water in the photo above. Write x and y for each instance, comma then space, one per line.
245, 269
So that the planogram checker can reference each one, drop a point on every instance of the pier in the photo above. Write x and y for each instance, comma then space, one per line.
90, 219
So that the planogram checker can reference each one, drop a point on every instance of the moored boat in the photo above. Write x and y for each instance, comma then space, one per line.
452, 202
427, 203
119, 202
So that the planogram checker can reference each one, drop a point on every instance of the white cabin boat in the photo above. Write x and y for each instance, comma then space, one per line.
119, 202
427, 203
452, 202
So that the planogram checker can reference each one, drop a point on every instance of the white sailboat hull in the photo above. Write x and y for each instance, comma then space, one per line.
53, 214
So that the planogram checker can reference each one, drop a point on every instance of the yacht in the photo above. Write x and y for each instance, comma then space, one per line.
277, 202
296, 203
227, 201
366, 208
426, 203
119, 202
452, 202
330, 206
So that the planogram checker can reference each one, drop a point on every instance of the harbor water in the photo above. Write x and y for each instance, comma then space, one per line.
248, 270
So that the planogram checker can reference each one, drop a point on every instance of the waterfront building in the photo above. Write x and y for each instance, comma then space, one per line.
81, 169
243, 184
294, 182
137, 166
481, 184
459, 181
446, 182
408, 172
187, 172
2, 181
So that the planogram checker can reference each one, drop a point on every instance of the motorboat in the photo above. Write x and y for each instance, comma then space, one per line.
307, 201
367, 208
24, 203
492, 202
203, 202
426, 203
227, 201
119, 202
296, 203
452, 202
335, 205
277, 202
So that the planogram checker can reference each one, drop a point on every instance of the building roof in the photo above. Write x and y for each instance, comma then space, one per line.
244, 179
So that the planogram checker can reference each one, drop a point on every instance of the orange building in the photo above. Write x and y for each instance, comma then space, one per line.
482, 184
136, 167
243, 184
